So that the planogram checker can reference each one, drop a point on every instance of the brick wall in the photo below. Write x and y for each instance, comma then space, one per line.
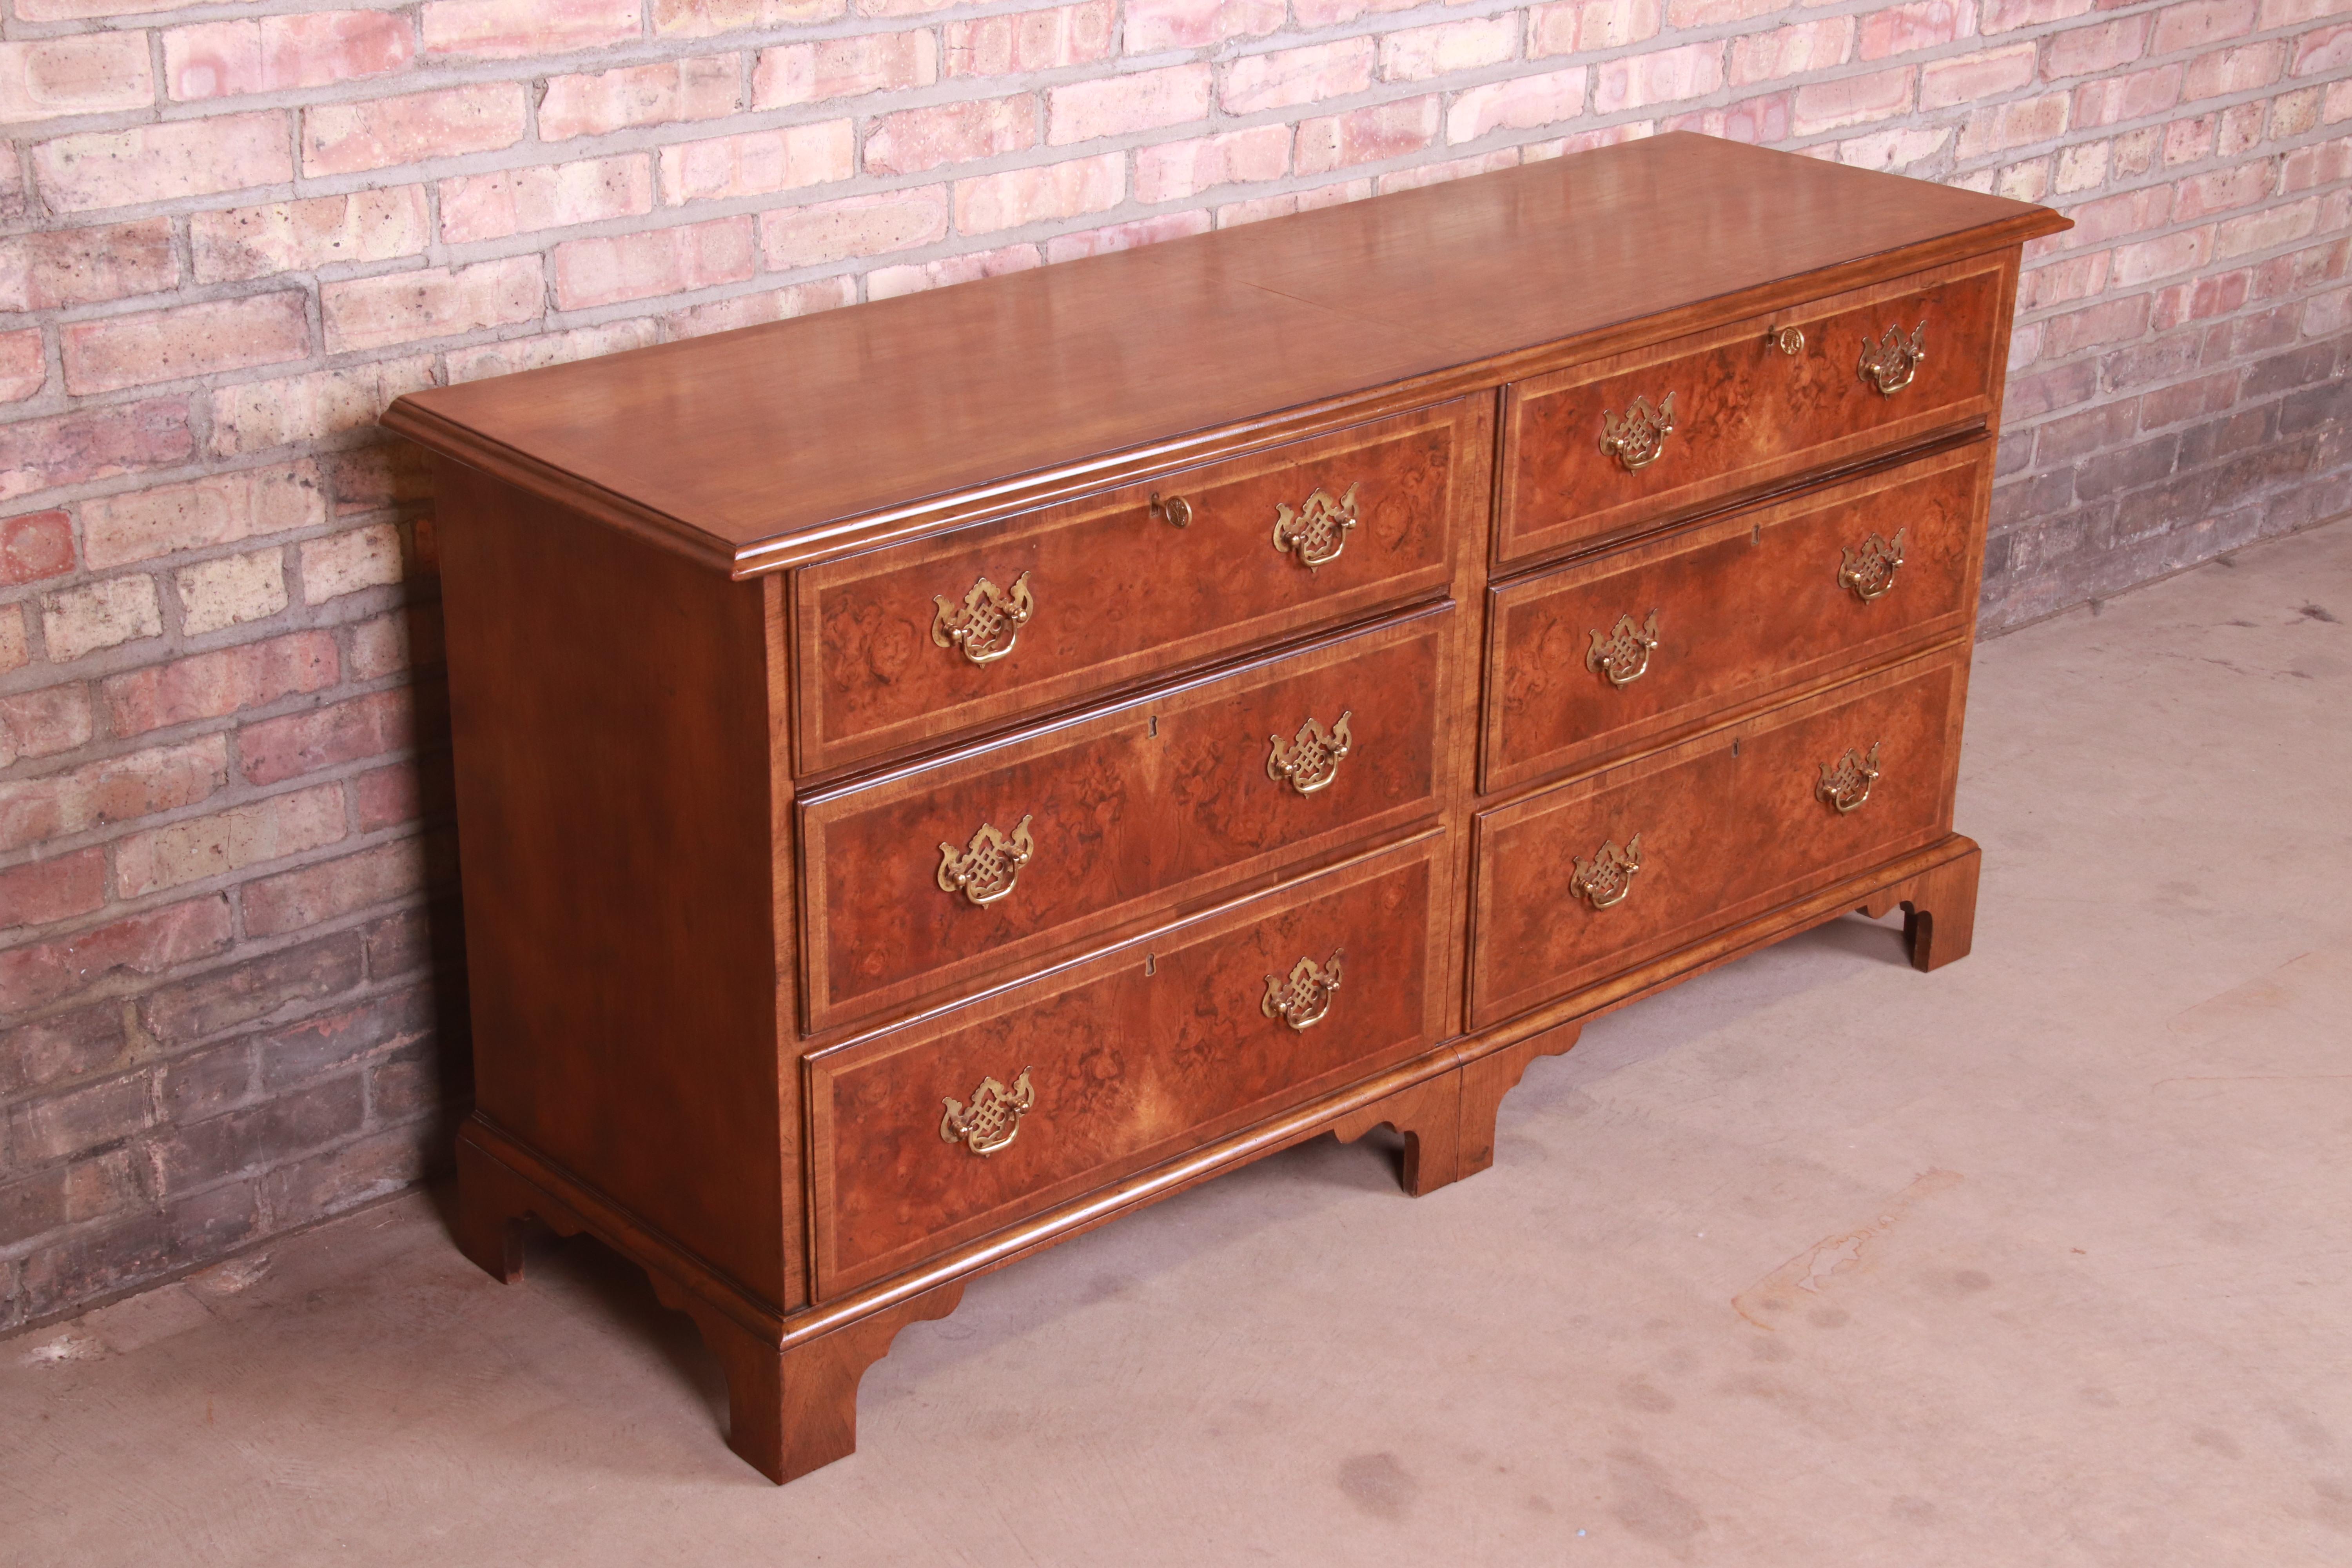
229, 235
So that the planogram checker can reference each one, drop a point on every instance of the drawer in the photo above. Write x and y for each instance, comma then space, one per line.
1744, 411
1721, 828
1707, 621
1008, 854
947, 1128
901, 646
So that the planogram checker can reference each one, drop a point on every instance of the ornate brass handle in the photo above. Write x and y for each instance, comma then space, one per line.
1790, 341
1889, 363
993, 1118
986, 869
1316, 533
1312, 757
1624, 653
1637, 439
1845, 783
991, 617
1175, 510
1869, 571
1608, 877
1303, 999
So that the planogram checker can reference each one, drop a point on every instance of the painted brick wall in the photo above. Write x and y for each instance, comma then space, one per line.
229, 234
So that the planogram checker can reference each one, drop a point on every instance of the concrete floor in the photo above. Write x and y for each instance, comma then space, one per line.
2041, 1261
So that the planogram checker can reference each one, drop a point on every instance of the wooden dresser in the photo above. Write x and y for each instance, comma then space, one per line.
935, 775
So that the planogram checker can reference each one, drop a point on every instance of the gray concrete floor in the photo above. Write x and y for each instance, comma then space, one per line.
2040, 1260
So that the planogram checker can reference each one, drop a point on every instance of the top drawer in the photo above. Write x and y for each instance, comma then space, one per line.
1587, 454
907, 643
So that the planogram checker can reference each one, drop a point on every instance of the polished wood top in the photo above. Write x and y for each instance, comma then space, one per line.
756, 447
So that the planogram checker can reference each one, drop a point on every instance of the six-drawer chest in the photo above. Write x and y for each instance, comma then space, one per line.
935, 775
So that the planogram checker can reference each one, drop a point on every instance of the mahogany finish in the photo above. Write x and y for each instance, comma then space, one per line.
841, 935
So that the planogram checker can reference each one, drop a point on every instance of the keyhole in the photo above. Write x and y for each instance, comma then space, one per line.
1758, 536
1734, 745
1151, 964
1155, 728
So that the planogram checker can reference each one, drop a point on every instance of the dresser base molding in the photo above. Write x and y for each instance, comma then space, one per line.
793, 1381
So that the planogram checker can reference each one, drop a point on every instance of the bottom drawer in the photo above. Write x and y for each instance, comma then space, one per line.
1583, 880
945, 1128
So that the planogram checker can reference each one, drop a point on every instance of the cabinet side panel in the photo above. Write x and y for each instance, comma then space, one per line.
610, 715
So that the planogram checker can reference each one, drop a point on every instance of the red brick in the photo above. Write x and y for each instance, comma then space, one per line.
2215, 294
1028, 42
320, 231
139, 525
1156, 24
1806, 47
1316, 15
1666, 76
262, 1134
754, 163
1715, 13
519, 201
101, 614
890, 282
1920, 24
315, 1047
756, 310
256, 415
2008, 15
1852, 100
1126, 235
53, 889
92, 444
229, 840
2194, 23
66, 1045
2270, 228
24, 364
80, 1120
349, 138
2114, 321
856, 226
435, 302
296, 900
2323, 53
277, 748
383, 797
281, 54
511, 29
2227, 71
2180, 251
162, 162
1119, 105
1417, 54
84, 73
387, 472
591, 272
1366, 135
339, 563
68, 266
844, 67
187, 339
2096, 50
44, 721
2221, 189
1176, 170
1575, 26
1021, 196
1289, 78
2018, 124
37, 545
210, 685
1766, 119
41, 972
1521, 103
915, 139
705, 87
704, 19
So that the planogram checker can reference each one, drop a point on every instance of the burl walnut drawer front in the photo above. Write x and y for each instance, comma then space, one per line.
950, 1127
1599, 448
936, 876
989, 623
1670, 634
1590, 878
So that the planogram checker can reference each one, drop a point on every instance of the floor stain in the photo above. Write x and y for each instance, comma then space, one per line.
1807, 1274
1378, 1484
1639, 1392
1648, 1505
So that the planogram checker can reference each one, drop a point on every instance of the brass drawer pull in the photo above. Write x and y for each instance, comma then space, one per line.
1845, 783
993, 1118
1623, 653
1175, 510
1316, 533
1869, 571
988, 866
1312, 758
1608, 877
1889, 363
1303, 999
984, 628
1790, 341
1637, 439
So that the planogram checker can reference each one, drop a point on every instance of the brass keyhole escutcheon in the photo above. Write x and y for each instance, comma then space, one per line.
1608, 877
1790, 341
1301, 1000
1175, 510
1637, 440
1889, 363
1869, 571
1845, 783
